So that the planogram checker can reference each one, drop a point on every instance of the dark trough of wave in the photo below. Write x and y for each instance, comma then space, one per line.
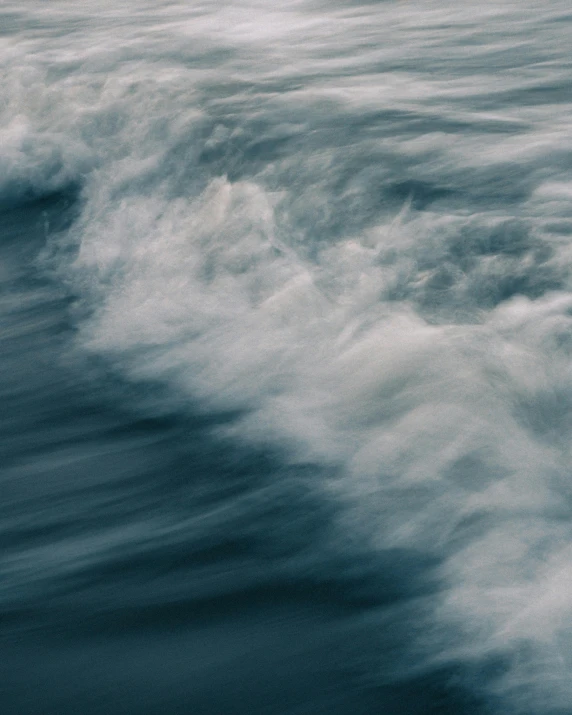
204, 623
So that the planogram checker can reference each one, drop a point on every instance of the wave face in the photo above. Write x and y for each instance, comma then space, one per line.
286, 357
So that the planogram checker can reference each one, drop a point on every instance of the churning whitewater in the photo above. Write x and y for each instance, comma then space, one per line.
286, 357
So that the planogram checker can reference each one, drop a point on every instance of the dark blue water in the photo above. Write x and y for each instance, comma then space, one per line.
285, 358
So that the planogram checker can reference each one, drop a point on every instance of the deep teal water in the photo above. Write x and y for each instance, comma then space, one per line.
285, 341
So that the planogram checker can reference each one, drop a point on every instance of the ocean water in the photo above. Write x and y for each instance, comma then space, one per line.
286, 357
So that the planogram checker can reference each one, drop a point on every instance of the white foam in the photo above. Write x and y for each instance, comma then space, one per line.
448, 436
436, 429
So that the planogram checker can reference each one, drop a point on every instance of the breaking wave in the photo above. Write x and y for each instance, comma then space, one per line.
341, 233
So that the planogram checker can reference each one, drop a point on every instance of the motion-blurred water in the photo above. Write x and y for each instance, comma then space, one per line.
285, 358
